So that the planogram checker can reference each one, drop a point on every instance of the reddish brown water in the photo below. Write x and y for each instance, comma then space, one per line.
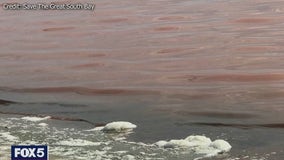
200, 57
157, 45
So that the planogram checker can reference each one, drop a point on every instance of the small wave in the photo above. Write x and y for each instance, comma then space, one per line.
38, 116
232, 77
227, 115
254, 20
57, 29
6, 102
235, 125
82, 91
36, 119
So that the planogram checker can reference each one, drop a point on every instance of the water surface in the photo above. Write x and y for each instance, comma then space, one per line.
174, 68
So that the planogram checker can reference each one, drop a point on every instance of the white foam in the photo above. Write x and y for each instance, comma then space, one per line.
128, 157
198, 140
180, 143
120, 152
77, 143
8, 136
221, 145
161, 143
120, 138
43, 124
190, 141
71, 143
36, 119
96, 129
198, 144
119, 126
31, 142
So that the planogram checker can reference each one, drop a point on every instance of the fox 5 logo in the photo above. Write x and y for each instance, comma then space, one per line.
30, 152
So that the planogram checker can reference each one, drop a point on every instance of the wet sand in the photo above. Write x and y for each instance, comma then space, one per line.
208, 67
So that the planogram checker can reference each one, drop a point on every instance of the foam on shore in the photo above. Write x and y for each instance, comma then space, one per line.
8, 136
75, 144
198, 144
36, 119
119, 126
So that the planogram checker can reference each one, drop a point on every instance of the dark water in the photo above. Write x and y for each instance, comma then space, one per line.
174, 68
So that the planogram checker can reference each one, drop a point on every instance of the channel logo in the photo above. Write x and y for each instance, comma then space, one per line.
30, 152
